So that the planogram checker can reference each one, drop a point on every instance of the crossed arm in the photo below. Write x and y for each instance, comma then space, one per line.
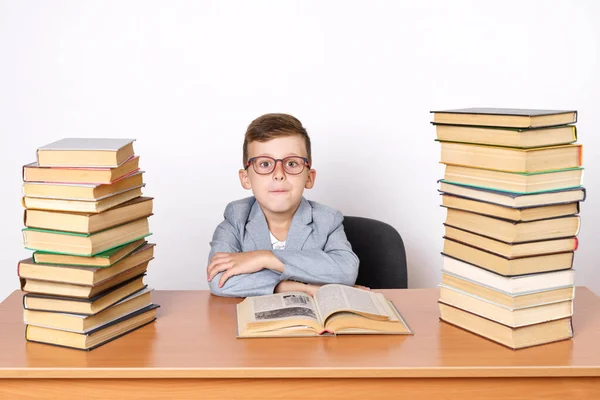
234, 273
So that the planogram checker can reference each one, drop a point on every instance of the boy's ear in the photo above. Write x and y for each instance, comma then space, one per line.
310, 181
244, 180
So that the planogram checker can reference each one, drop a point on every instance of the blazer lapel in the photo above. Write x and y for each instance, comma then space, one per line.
258, 229
299, 229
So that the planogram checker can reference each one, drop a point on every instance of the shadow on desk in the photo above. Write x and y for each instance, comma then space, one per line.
455, 343
136, 351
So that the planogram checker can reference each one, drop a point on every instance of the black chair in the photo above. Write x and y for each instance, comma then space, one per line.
380, 250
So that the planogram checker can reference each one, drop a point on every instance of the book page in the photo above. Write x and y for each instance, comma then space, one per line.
281, 306
335, 298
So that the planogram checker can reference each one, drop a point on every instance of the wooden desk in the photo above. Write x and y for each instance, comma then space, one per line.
191, 352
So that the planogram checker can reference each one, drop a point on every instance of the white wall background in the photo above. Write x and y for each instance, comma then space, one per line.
186, 77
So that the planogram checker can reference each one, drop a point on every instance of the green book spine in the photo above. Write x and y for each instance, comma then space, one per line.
507, 191
104, 254
90, 255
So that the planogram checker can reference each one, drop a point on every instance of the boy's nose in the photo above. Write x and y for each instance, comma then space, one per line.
278, 172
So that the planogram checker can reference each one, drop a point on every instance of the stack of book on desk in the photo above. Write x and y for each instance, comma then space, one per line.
87, 222
512, 187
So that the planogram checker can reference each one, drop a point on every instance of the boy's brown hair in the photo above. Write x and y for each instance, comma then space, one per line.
271, 126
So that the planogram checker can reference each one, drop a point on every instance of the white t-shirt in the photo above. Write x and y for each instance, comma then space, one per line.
276, 244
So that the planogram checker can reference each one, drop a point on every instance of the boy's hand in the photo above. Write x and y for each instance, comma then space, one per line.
232, 264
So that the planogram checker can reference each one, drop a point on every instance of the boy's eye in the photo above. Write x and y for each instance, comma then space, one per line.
265, 164
292, 163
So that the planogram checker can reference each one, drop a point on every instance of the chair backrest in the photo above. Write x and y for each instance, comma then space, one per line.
380, 250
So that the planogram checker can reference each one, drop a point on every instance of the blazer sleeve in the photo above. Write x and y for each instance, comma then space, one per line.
226, 240
335, 263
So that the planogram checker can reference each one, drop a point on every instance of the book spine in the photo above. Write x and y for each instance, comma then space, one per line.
576, 243
571, 323
572, 260
580, 156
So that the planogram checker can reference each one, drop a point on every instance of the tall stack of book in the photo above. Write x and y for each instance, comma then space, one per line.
512, 187
87, 223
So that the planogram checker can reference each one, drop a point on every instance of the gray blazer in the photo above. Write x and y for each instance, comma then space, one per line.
316, 250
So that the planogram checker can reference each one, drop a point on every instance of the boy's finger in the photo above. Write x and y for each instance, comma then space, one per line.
219, 260
224, 277
219, 268
214, 264
209, 268
233, 271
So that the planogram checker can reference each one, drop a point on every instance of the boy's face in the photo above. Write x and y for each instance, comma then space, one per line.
278, 192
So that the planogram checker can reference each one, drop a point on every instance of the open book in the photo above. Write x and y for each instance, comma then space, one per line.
335, 309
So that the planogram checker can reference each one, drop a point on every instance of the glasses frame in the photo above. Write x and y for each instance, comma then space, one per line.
275, 160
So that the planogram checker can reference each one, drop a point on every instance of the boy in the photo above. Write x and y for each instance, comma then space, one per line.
277, 241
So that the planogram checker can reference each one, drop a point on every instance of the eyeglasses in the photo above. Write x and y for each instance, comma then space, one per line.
264, 165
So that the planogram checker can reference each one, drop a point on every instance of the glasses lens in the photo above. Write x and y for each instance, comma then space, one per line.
293, 165
263, 165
